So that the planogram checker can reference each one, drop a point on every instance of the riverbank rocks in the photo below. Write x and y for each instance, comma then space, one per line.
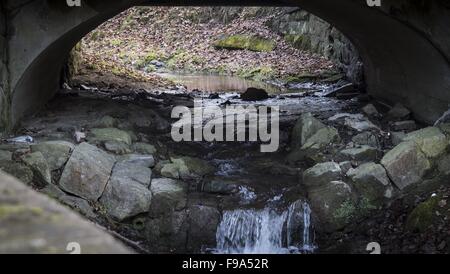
106, 122
144, 148
423, 216
116, 147
56, 153
203, 222
18, 170
109, 134
322, 174
38, 164
186, 168
305, 127
408, 125
144, 160
431, 141
127, 193
360, 154
406, 164
356, 122
372, 183
370, 110
5, 155
366, 138
87, 172
168, 195
254, 94
333, 204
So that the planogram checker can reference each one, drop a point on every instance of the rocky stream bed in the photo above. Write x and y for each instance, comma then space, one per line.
348, 172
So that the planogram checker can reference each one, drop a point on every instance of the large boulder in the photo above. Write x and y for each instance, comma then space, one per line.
321, 174
116, 147
305, 127
168, 195
144, 148
406, 164
87, 172
55, 152
203, 222
109, 134
38, 164
254, 94
124, 197
366, 138
333, 204
168, 233
137, 173
371, 182
431, 141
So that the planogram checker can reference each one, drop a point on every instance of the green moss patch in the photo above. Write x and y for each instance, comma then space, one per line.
241, 42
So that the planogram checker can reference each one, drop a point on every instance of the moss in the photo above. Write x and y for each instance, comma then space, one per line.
301, 78
240, 42
422, 216
345, 212
258, 73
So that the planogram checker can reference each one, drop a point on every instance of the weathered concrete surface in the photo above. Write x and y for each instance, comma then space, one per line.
33, 223
405, 47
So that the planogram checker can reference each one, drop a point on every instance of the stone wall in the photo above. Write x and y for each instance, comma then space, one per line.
3, 67
308, 32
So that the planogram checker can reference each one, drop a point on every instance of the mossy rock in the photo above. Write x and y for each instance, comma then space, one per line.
299, 41
422, 217
241, 42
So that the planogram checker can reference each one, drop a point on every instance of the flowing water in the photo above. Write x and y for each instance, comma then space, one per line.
266, 231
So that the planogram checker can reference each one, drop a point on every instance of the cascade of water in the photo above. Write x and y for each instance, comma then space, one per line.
266, 231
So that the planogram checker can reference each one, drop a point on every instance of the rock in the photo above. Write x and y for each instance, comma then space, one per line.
106, 122
220, 186
406, 164
305, 127
361, 154
431, 141
138, 159
143, 148
187, 168
397, 137
52, 191
87, 172
371, 182
171, 171
333, 205
398, 112
55, 152
168, 233
130, 171
168, 195
423, 216
5, 155
321, 139
404, 125
360, 125
18, 170
38, 164
254, 94
357, 122
322, 174
124, 198
345, 166
444, 119
115, 147
78, 204
370, 110
444, 164
348, 88
366, 138
203, 222
110, 134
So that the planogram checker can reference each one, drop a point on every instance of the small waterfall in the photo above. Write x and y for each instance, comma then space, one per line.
266, 231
